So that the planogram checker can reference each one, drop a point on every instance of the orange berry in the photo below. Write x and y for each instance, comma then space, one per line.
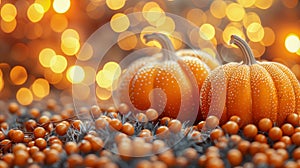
30, 125
287, 129
286, 139
260, 158
175, 126
296, 154
77, 124
234, 157
116, 124
261, 138
216, 134
128, 129
200, 125
61, 129
279, 145
39, 132
231, 127
215, 162
236, 119
162, 131
17, 136
85, 146
90, 160
39, 157
254, 147
124, 108
41, 143
52, 156
211, 122
293, 119
71, 147
165, 120
275, 133
250, 131
141, 117
265, 124
296, 138
13, 107
152, 114
44, 119
21, 158
18, 147
101, 123
95, 111
244, 146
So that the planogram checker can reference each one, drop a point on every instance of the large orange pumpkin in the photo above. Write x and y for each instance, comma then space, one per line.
251, 89
169, 81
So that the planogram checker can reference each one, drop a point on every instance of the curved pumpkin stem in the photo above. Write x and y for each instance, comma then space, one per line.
248, 57
166, 44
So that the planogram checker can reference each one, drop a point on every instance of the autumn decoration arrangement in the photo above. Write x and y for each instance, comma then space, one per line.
176, 109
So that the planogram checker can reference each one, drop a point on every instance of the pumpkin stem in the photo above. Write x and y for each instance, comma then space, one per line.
248, 57
166, 44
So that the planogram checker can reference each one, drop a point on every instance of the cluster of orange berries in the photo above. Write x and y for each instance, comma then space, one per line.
115, 137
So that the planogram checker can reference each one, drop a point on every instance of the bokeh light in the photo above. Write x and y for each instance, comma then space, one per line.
61, 6
218, 9
44, 44
115, 4
1, 81
58, 63
35, 12
18, 75
292, 43
45, 57
255, 32
107, 77
119, 22
127, 40
70, 33
75, 74
46, 4
86, 52
235, 12
269, 37
8, 27
70, 45
196, 16
8, 12
24, 96
103, 94
207, 31
59, 22
40, 88
250, 18
265, 4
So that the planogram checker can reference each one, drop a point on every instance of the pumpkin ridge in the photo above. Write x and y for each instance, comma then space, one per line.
137, 83
295, 83
264, 96
239, 94
286, 97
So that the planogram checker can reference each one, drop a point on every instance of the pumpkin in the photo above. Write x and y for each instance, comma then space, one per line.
251, 90
169, 82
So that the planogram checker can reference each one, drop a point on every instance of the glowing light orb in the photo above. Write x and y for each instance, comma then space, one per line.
292, 43
61, 6
75, 74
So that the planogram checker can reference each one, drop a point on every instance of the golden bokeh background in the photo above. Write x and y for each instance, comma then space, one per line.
40, 40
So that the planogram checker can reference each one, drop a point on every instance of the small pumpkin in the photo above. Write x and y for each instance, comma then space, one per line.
179, 75
251, 90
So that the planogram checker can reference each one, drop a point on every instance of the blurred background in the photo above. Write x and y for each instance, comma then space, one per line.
40, 40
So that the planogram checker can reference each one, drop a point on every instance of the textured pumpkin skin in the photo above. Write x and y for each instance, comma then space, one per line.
171, 76
252, 92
